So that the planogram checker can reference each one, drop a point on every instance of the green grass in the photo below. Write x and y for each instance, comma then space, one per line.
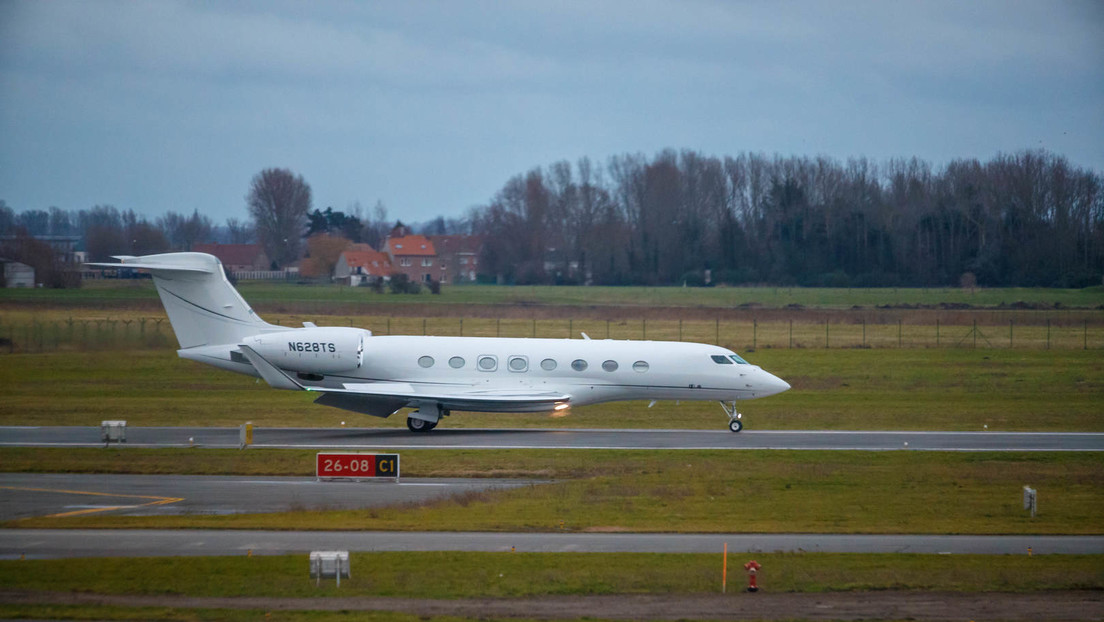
166, 614
1057, 390
489, 575
662, 491
723, 297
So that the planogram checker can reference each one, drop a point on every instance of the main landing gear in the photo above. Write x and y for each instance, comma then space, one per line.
419, 425
416, 424
734, 422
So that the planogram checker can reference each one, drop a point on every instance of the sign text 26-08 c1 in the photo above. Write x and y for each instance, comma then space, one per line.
356, 465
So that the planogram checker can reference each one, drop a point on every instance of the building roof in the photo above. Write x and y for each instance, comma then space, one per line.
374, 263
232, 254
447, 244
416, 245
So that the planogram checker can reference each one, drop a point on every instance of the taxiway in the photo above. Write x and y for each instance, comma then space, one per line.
464, 438
49, 543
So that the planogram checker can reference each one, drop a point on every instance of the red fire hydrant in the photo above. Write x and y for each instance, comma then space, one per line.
752, 569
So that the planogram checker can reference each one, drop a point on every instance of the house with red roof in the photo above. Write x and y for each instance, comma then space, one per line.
359, 266
414, 256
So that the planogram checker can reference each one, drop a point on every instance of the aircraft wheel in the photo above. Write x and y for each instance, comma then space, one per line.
419, 425
735, 425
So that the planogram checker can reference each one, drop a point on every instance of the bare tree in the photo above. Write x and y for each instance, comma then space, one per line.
278, 201
238, 232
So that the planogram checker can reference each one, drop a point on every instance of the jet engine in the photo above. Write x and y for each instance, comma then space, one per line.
312, 350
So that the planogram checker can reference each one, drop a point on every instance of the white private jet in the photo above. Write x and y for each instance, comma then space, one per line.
378, 376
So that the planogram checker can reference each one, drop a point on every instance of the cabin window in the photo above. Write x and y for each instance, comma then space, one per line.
737, 359
721, 360
548, 364
640, 366
456, 362
426, 361
488, 362
579, 365
610, 365
518, 363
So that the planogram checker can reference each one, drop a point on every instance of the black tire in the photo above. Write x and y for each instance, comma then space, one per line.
419, 425
735, 425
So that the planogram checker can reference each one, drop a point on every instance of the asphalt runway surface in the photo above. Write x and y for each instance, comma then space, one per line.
24, 495
51, 543
445, 438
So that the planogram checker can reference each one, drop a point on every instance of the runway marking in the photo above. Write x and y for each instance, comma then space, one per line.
156, 500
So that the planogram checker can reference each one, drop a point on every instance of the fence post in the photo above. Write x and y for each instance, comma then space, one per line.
498, 327
937, 332
1010, 322
680, 329
534, 327
826, 346
899, 322
423, 327
461, 327
975, 334
791, 334
1086, 347
864, 332
754, 333
717, 330
1048, 334
570, 327
607, 329
644, 329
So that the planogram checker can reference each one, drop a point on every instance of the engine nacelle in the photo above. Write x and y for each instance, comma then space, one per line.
312, 350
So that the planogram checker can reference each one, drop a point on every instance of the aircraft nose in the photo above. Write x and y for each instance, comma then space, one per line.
774, 385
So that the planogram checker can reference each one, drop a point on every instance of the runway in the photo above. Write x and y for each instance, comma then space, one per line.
445, 438
24, 495
50, 543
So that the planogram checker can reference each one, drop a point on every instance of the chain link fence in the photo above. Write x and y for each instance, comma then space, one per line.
739, 335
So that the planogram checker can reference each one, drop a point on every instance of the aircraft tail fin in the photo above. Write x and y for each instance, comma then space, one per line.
203, 307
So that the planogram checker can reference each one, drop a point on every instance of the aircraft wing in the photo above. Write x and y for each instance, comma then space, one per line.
382, 399
373, 397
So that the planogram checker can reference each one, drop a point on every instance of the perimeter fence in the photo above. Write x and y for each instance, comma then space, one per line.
740, 335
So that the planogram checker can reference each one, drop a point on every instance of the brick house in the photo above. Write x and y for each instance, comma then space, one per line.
414, 256
237, 257
457, 257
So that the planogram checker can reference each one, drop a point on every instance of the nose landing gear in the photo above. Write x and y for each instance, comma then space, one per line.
734, 423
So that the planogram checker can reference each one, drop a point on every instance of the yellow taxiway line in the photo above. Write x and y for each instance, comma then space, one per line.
156, 500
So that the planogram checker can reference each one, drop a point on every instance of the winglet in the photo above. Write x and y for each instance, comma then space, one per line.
271, 374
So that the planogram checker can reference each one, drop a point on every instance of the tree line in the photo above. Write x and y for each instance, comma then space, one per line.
1029, 218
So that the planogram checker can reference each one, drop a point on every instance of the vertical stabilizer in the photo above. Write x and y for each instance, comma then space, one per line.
203, 307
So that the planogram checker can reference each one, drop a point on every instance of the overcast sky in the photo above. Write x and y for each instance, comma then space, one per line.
432, 106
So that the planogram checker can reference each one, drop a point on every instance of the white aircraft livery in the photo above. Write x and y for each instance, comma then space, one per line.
352, 369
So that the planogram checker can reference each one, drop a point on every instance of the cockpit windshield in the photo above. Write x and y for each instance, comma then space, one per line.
720, 359
737, 359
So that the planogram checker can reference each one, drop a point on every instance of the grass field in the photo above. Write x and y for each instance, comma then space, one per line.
656, 491
466, 575
882, 389
266, 291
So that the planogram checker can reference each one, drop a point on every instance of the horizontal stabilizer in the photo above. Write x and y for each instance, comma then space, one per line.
169, 262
